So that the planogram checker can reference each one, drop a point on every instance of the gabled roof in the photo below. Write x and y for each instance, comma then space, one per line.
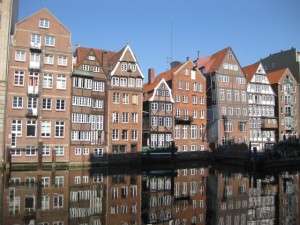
250, 70
212, 63
275, 76
151, 89
167, 75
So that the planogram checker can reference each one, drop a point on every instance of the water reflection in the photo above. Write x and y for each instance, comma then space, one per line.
198, 194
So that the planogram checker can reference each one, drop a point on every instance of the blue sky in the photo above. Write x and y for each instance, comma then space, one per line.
161, 30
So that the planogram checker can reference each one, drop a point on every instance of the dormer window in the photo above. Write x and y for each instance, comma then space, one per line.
44, 23
124, 67
91, 57
86, 67
230, 56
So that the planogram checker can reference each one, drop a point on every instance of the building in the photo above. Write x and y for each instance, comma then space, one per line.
189, 110
125, 99
8, 18
158, 113
227, 106
284, 59
286, 89
89, 104
261, 99
38, 95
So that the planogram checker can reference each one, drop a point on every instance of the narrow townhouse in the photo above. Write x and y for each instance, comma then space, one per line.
125, 99
261, 99
38, 95
285, 87
88, 115
227, 106
158, 113
189, 110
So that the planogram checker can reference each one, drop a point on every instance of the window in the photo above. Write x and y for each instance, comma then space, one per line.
202, 115
86, 151
124, 134
193, 131
49, 59
44, 23
185, 99
16, 127
59, 181
223, 110
35, 38
187, 85
221, 94
238, 111
134, 134
62, 60
19, 78
20, 56
123, 82
125, 117
60, 104
115, 81
98, 86
59, 150
58, 200
45, 128
61, 82
17, 102
46, 151
135, 99
47, 103
115, 117
49, 41
134, 117
202, 100
194, 99
237, 95
86, 67
98, 152
59, 129
15, 152
31, 128
116, 98
30, 151
115, 134
228, 95
179, 84
96, 69
47, 81
139, 82
125, 99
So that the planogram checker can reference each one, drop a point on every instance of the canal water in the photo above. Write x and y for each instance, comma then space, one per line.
185, 194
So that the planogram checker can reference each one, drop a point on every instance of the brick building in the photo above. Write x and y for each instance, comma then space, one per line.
286, 89
38, 95
189, 110
227, 106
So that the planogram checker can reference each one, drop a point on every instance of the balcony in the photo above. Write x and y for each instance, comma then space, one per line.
32, 112
34, 65
289, 126
269, 124
184, 120
35, 46
33, 90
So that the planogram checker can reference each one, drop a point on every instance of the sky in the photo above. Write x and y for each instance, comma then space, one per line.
161, 31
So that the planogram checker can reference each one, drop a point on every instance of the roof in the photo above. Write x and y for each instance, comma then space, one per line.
250, 70
82, 73
276, 75
212, 63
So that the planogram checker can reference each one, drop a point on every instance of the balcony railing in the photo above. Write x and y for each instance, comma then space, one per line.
32, 112
269, 124
34, 65
183, 120
33, 90
35, 46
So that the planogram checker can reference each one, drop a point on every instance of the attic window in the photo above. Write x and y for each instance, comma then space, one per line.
230, 56
91, 57
44, 23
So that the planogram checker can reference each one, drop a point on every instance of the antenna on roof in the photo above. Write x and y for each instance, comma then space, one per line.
171, 42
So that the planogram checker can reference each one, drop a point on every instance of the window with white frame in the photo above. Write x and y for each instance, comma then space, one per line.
20, 55
60, 104
96, 69
45, 128
115, 134
202, 100
185, 132
221, 94
202, 114
98, 152
134, 135
237, 95
123, 82
59, 129
35, 38
46, 150
61, 82
16, 127
18, 78
85, 67
17, 102
125, 117
47, 102
30, 151
135, 99
244, 98
59, 181
31, 128
139, 82
116, 98
124, 134
125, 99
49, 41
47, 80
115, 81
62, 60
185, 99
49, 59
15, 152
179, 84
115, 117
223, 110
187, 85
228, 95
77, 151
194, 99
58, 201
194, 113
59, 150
98, 86
135, 117
85, 151
44, 23
238, 111
193, 131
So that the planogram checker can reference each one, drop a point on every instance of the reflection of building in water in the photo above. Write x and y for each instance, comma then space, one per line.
123, 199
288, 198
87, 197
36, 198
178, 200
262, 194
227, 198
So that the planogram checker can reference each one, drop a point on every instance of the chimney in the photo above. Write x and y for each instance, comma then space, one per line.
104, 60
150, 75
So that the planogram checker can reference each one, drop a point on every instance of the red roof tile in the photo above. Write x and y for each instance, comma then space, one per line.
275, 76
250, 70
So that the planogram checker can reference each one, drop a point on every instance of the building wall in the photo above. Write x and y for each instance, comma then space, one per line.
37, 89
8, 18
